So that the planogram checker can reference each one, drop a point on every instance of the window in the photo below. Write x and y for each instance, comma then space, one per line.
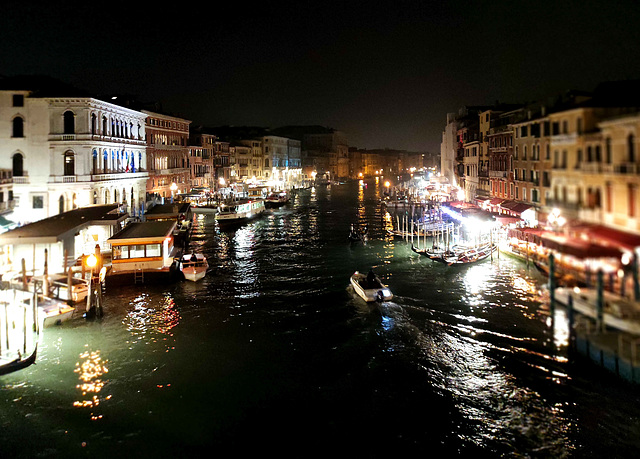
18, 100
18, 170
18, 127
631, 148
69, 163
608, 150
69, 122
38, 202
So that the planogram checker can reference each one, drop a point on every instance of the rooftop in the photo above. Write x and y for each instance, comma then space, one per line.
54, 229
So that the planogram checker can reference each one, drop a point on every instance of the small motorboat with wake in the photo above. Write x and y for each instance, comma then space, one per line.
370, 288
194, 266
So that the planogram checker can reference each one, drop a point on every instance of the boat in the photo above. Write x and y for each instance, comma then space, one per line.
357, 235
370, 288
59, 288
618, 312
471, 255
205, 209
194, 266
53, 312
19, 362
238, 212
276, 199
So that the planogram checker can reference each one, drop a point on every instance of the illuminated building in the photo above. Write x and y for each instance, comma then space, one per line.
167, 154
67, 149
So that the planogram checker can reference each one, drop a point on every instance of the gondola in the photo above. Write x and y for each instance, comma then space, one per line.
19, 363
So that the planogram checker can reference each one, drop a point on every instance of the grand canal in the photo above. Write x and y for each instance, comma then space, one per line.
272, 353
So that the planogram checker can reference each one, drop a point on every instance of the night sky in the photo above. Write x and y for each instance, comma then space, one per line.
384, 73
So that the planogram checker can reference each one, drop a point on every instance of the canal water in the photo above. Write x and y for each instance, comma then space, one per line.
272, 353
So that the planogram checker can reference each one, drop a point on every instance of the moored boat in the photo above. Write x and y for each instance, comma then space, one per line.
617, 312
19, 362
241, 211
471, 255
53, 312
370, 288
194, 266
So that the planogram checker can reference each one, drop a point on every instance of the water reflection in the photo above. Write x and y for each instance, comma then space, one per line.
146, 318
91, 369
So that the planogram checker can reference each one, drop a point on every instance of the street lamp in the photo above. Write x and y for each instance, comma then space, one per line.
173, 189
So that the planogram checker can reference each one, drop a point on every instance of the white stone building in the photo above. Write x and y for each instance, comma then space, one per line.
68, 150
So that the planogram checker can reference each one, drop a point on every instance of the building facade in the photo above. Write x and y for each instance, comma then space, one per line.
69, 152
167, 155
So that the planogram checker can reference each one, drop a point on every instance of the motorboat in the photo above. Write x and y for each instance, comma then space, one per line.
370, 288
276, 199
59, 288
239, 211
194, 266
53, 311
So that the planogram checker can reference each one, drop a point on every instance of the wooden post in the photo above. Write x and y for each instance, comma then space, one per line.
600, 302
45, 276
552, 286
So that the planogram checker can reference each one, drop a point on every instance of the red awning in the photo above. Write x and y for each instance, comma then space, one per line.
579, 248
614, 237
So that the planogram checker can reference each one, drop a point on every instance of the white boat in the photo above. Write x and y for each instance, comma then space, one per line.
52, 311
370, 289
617, 312
239, 211
276, 199
59, 288
194, 266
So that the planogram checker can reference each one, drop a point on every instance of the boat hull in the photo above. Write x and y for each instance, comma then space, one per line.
54, 312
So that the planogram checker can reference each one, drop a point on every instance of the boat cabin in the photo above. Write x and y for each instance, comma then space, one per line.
143, 246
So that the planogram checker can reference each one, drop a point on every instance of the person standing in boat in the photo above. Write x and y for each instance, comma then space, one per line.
371, 277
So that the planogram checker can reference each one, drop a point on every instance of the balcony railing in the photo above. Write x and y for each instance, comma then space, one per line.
626, 168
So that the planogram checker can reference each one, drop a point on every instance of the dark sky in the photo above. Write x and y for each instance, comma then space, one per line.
385, 73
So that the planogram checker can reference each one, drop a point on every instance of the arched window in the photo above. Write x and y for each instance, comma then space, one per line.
69, 122
93, 124
18, 161
69, 163
608, 150
18, 127
631, 148
94, 165
61, 204
104, 125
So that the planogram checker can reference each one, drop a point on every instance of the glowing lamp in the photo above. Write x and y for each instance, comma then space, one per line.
91, 261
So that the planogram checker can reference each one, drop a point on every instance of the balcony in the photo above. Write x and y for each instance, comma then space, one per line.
626, 168
24, 180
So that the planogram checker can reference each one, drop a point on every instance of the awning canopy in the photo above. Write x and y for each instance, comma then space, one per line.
614, 237
579, 248
514, 207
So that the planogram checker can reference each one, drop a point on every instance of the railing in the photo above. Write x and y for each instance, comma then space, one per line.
24, 180
626, 168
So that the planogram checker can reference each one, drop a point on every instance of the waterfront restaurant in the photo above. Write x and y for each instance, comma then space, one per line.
143, 247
